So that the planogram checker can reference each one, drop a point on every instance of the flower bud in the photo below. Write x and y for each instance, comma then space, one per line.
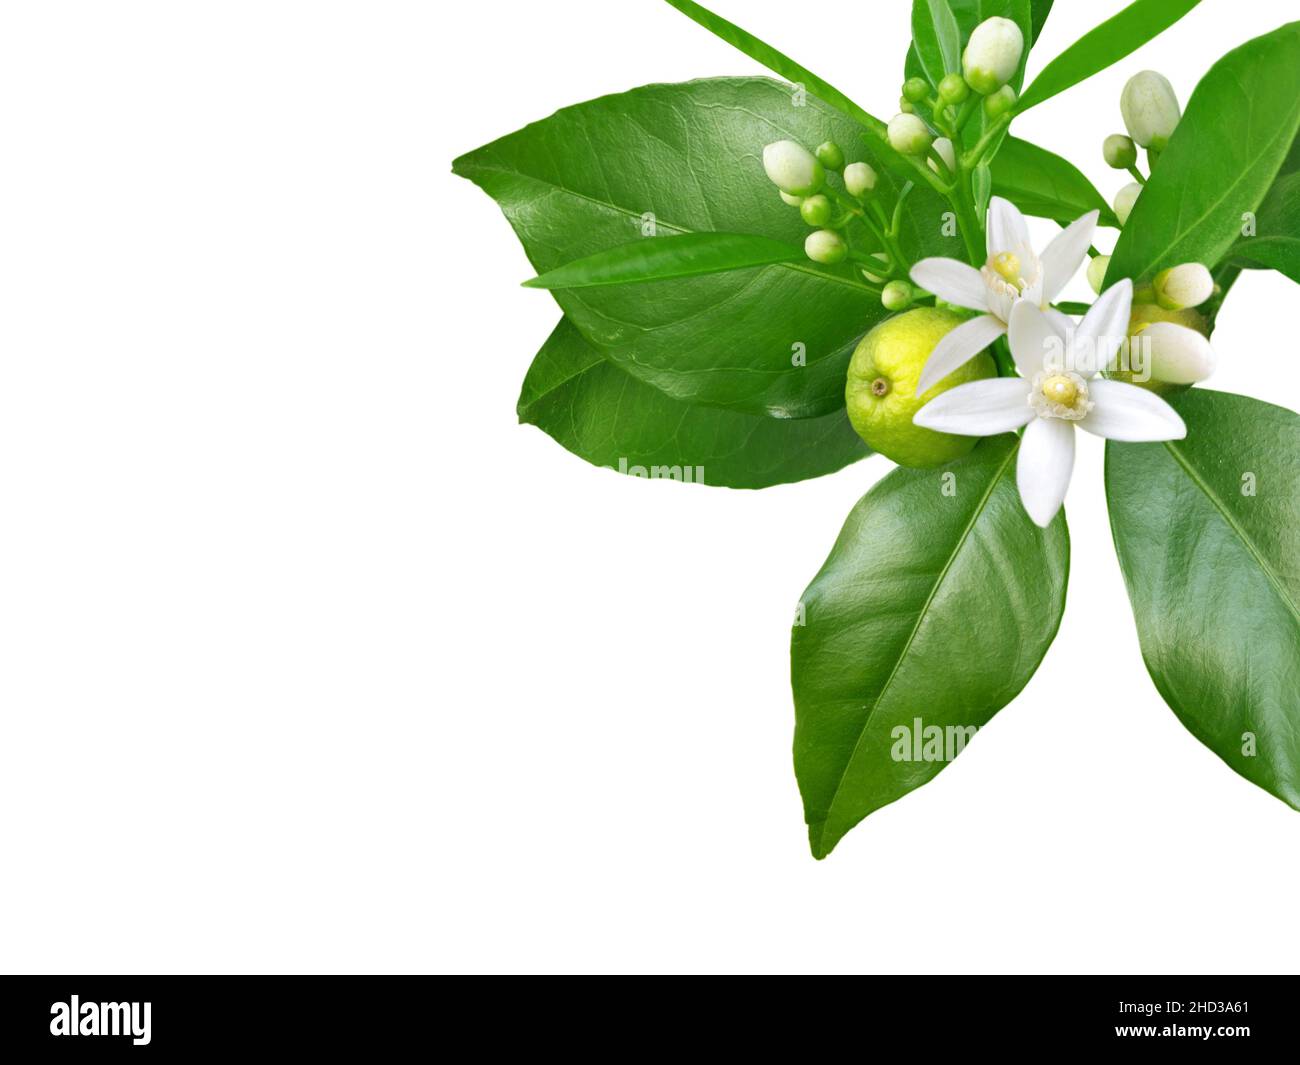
1184, 286
826, 246
793, 168
1120, 151
793, 201
883, 276
897, 296
1001, 102
953, 89
1179, 356
830, 155
1125, 199
1150, 109
1097, 272
905, 106
909, 135
916, 90
943, 147
859, 180
816, 210
992, 55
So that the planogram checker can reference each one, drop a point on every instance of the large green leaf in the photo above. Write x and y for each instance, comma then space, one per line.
608, 417
937, 603
682, 159
1221, 162
936, 38
1045, 185
1275, 243
661, 258
1208, 535
1104, 45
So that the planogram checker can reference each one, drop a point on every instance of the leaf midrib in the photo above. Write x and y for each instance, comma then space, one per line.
916, 627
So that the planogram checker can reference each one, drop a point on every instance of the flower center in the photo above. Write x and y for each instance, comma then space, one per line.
1007, 266
1060, 394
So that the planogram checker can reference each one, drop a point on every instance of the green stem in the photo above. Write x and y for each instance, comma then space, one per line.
1137, 174
975, 156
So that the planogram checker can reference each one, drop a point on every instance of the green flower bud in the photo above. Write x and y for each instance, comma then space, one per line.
793, 168
830, 155
826, 246
916, 90
1150, 109
1125, 199
1001, 102
1120, 151
944, 149
880, 278
1184, 286
816, 210
793, 201
953, 89
897, 296
859, 180
1097, 272
905, 106
909, 135
992, 55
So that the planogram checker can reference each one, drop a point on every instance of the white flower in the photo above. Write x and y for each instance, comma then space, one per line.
992, 54
1013, 272
1057, 390
1150, 109
793, 169
1125, 199
1179, 287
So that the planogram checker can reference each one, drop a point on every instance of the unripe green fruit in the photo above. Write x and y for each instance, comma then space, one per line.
816, 211
953, 89
830, 155
881, 388
1120, 151
916, 90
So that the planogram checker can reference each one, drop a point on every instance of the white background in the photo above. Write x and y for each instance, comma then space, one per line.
311, 659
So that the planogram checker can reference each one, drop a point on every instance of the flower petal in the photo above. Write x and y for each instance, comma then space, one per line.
1044, 467
1006, 226
953, 281
1103, 329
1034, 340
1130, 414
958, 348
981, 408
1061, 322
1063, 257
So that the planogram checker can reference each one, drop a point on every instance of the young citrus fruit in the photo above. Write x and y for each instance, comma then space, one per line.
881, 390
1145, 314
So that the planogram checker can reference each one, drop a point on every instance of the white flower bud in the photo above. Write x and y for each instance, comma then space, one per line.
1179, 356
909, 135
793, 201
859, 179
944, 147
1124, 201
897, 296
1179, 287
793, 168
1150, 109
1097, 272
1120, 151
826, 246
992, 55
883, 276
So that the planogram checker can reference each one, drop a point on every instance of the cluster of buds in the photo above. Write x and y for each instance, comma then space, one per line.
1151, 113
1172, 332
801, 178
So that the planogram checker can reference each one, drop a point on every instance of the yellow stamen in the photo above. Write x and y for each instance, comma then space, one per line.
1061, 390
1007, 266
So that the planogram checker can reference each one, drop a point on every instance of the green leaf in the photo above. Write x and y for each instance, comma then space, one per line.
936, 38
1045, 185
1104, 45
678, 159
1275, 244
1207, 531
1040, 9
934, 605
1221, 161
661, 258
606, 416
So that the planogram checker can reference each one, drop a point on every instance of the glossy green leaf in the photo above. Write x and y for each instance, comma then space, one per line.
937, 39
606, 416
674, 159
1221, 162
1040, 9
1043, 184
937, 603
1208, 535
662, 258
1104, 45
1275, 242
